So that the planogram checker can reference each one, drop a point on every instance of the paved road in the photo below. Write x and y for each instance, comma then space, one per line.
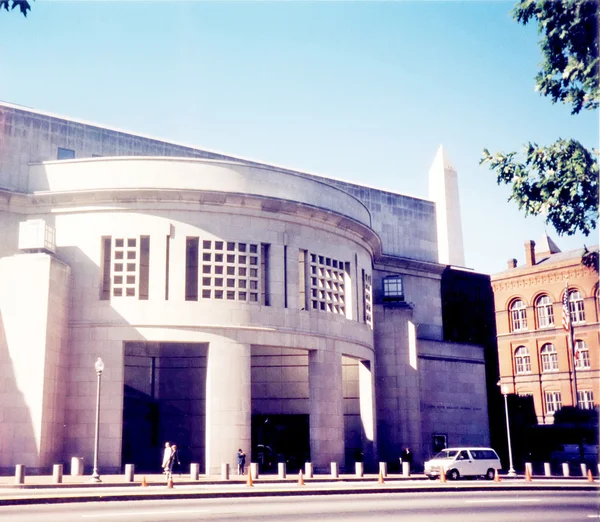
481, 506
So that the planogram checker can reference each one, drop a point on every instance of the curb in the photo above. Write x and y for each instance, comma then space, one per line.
174, 495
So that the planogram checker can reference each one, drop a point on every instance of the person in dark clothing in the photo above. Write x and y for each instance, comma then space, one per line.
407, 456
241, 459
173, 459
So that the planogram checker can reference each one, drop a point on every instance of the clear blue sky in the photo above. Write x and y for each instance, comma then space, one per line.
361, 91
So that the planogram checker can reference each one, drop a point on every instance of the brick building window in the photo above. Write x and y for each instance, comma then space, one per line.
585, 399
518, 316
576, 308
553, 402
549, 358
522, 360
545, 312
582, 355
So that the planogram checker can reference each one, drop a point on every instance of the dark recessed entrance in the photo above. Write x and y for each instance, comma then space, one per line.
280, 438
164, 400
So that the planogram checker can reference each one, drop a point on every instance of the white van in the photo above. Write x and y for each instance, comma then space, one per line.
463, 462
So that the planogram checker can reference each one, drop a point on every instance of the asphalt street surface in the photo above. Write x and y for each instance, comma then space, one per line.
482, 506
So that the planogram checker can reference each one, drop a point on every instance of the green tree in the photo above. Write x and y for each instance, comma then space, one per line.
559, 181
23, 5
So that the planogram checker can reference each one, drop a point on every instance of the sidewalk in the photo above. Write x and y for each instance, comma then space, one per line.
41, 490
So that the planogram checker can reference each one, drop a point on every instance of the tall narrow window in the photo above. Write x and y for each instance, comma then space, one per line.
285, 278
549, 358
553, 402
545, 312
368, 300
264, 274
522, 360
191, 268
144, 267
518, 315
302, 286
576, 308
106, 254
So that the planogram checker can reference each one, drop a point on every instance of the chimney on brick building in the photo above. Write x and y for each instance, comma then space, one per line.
530, 253
512, 263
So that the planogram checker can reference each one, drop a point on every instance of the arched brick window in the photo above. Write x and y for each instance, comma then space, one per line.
544, 311
522, 360
518, 316
549, 358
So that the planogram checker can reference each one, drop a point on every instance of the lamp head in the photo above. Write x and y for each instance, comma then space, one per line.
99, 365
504, 389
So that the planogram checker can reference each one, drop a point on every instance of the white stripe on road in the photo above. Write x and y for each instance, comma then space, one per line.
499, 500
143, 513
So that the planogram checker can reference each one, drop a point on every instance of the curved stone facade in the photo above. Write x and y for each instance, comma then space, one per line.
235, 305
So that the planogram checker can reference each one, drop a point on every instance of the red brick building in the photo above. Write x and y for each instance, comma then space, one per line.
534, 352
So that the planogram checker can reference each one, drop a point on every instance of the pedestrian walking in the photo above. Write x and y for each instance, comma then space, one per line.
166, 457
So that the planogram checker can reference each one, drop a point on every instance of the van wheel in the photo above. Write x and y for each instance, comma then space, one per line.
453, 474
490, 474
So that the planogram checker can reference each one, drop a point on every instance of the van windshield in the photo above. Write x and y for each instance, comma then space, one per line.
446, 454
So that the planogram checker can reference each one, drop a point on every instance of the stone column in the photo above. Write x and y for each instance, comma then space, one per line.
228, 404
326, 407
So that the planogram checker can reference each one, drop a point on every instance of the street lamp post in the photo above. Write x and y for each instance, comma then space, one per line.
99, 365
511, 469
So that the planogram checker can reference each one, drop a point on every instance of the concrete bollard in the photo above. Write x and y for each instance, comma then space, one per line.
129, 472
224, 471
565, 469
529, 466
383, 469
76, 466
406, 469
194, 471
57, 473
335, 470
547, 470
308, 470
583, 468
20, 474
359, 469
254, 470
281, 470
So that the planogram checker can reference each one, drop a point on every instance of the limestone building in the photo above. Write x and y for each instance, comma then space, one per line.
235, 304
535, 355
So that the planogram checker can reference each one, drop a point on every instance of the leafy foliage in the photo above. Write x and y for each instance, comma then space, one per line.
590, 259
569, 44
23, 5
559, 182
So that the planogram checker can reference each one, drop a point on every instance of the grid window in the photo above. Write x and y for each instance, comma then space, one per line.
545, 312
585, 399
332, 279
125, 276
368, 299
582, 355
549, 358
576, 309
553, 402
233, 265
393, 288
518, 315
522, 360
